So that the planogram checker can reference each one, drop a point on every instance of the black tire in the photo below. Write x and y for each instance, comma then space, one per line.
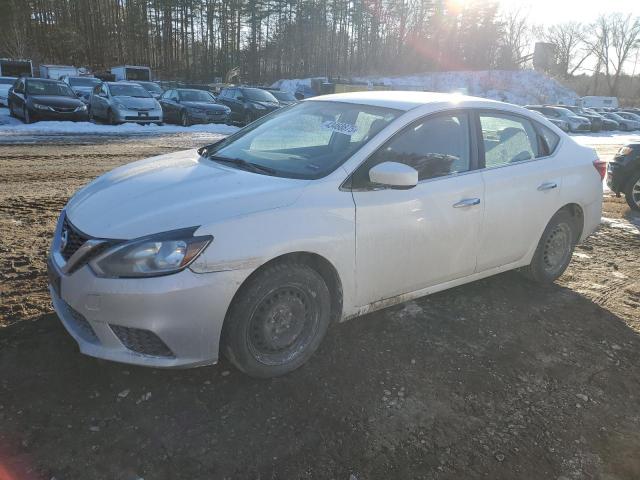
554, 251
248, 117
11, 113
26, 116
184, 119
111, 120
632, 191
277, 321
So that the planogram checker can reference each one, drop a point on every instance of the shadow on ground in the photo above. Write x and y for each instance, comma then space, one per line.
497, 379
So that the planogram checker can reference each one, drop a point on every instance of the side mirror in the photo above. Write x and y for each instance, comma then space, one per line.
239, 97
394, 175
78, 94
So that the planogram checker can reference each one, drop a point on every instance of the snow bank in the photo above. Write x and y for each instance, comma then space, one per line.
521, 87
12, 126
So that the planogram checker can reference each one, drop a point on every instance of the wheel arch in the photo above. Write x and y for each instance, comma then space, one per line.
320, 264
577, 213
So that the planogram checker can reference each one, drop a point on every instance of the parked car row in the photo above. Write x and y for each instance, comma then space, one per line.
82, 98
572, 118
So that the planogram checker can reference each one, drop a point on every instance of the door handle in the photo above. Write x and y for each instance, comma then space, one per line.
467, 202
547, 186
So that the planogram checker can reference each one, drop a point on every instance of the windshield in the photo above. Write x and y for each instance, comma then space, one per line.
257, 95
308, 140
284, 96
150, 87
124, 90
39, 87
83, 81
564, 110
615, 116
196, 96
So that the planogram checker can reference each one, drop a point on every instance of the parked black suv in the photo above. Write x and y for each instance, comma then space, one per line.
247, 103
623, 174
35, 99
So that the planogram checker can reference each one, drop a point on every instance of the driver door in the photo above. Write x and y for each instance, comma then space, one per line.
407, 240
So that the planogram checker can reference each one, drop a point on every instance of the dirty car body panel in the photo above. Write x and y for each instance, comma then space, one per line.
386, 245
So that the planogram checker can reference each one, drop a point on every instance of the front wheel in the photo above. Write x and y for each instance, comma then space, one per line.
554, 251
111, 119
185, 121
632, 192
26, 116
277, 320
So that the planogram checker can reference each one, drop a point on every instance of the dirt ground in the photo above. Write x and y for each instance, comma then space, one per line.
499, 379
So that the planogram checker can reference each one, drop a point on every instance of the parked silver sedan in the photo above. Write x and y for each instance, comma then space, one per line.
119, 102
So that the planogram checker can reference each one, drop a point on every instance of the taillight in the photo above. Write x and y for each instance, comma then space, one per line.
601, 167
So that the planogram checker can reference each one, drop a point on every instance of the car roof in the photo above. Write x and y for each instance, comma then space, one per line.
406, 100
47, 80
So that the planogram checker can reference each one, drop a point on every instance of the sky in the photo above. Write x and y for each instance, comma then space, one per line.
544, 12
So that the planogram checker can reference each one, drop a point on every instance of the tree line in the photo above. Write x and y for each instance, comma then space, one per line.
265, 40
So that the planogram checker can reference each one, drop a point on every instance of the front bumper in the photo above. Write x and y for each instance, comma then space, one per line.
134, 116
37, 114
201, 117
169, 321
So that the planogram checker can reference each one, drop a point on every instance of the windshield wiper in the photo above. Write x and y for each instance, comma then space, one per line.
243, 164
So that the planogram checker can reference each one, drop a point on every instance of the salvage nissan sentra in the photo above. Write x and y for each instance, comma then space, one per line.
318, 212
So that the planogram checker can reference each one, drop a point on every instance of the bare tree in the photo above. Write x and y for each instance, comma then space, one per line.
615, 37
516, 37
568, 40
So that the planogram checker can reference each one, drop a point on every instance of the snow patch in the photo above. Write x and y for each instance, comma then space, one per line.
12, 126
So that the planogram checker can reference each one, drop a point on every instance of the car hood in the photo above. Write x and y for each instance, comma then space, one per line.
206, 106
172, 191
135, 102
56, 101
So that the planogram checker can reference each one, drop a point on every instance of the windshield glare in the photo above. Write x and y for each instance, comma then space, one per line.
128, 91
196, 96
257, 95
284, 96
308, 140
37, 87
83, 82
151, 87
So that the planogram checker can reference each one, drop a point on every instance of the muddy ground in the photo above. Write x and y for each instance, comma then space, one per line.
499, 379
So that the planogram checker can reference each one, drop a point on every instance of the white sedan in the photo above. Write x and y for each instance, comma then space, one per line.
318, 212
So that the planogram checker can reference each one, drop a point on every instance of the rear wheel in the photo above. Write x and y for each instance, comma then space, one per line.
277, 321
632, 192
554, 251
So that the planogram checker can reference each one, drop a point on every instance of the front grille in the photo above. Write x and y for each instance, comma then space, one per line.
142, 341
64, 109
75, 239
80, 325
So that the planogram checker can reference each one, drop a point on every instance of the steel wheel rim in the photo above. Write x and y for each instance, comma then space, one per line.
635, 193
282, 325
557, 248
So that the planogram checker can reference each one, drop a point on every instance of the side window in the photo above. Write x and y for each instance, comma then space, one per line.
19, 88
105, 90
174, 95
507, 139
549, 139
436, 146
96, 89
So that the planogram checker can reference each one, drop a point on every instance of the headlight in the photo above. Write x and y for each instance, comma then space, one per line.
150, 256
39, 106
120, 106
257, 106
81, 108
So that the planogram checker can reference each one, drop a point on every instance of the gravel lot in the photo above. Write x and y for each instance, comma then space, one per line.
499, 379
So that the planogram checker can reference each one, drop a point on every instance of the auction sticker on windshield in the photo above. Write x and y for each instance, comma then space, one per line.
340, 127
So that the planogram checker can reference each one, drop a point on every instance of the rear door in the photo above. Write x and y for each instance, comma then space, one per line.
411, 239
522, 186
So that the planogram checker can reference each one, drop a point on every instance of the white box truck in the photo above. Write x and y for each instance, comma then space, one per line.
10, 67
55, 72
132, 72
